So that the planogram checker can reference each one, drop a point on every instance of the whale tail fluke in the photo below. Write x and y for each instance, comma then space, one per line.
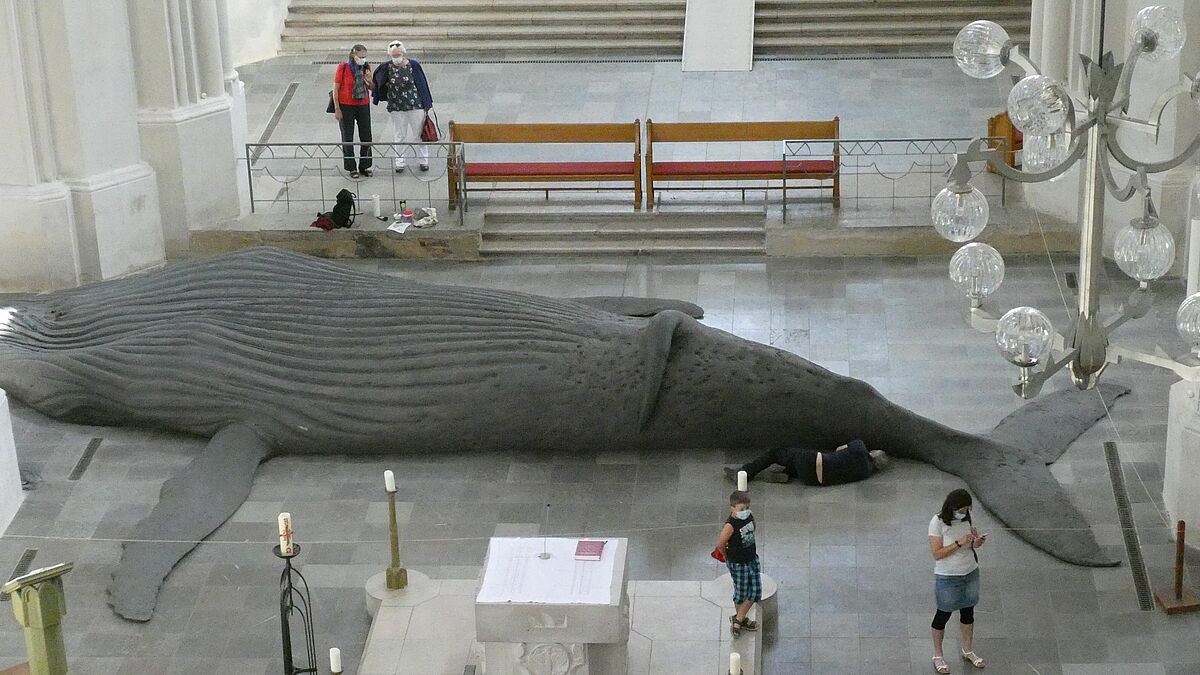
1044, 427
191, 505
1009, 472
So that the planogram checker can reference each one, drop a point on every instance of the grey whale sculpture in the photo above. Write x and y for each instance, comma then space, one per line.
269, 352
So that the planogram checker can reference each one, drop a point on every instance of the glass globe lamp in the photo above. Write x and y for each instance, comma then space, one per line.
1144, 249
1037, 105
981, 48
1023, 335
1042, 153
959, 214
977, 270
1187, 321
1161, 32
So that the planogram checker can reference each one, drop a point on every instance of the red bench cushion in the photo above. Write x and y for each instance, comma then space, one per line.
549, 168
817, 166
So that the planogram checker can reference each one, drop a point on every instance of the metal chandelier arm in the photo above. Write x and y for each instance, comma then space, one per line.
1137, 182
1184, 86
992, 156
1154, 167
1120, 99
1031, 381
1022, 61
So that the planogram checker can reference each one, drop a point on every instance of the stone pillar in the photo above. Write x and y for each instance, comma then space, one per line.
1181, 471
185, 114
10, 473
236, 90
79, 204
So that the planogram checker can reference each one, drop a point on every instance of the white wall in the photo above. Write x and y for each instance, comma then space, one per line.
254, 28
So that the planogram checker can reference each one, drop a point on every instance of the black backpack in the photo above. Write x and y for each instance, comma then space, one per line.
343, 212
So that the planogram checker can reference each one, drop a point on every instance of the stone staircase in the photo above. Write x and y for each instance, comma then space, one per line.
499, 29
736, 231
788, 27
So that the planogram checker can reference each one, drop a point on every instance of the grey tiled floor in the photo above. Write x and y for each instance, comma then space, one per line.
851, 560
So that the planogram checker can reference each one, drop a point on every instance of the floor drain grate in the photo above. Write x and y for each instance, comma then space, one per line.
85, 459
22, 567
1137, 566
274, 121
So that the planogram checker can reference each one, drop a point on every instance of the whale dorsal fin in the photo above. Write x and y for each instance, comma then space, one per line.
627, 306
190, 506
1045, 426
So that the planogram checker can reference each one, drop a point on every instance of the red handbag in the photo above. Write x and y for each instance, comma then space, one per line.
716, 553
429, 130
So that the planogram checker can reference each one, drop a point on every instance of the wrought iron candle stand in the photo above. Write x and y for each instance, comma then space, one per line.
295, 600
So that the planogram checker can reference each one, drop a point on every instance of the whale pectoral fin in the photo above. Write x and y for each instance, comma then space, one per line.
1028, 499
656, 342
626, 306
191, 505
1044, 427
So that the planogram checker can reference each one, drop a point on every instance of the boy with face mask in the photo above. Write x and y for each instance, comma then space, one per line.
737, 545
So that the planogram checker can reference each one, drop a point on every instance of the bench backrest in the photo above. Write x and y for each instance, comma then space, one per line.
547, 133
675, 132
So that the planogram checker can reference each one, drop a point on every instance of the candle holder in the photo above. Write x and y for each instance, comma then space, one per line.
396, 576
295, 600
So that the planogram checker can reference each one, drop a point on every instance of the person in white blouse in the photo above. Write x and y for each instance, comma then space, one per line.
953, 540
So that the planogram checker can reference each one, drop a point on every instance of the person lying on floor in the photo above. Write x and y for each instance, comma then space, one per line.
849, 463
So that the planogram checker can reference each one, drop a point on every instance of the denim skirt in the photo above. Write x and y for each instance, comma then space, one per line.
957, 592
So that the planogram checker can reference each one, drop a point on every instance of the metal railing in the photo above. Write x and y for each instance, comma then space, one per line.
899, 164
313, 173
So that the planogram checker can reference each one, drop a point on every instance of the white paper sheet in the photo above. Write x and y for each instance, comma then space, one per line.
515, 573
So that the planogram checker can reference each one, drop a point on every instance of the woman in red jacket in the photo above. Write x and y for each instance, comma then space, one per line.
351, 105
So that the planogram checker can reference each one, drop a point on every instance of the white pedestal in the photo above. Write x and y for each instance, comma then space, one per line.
1181, 472
10, 475
718, 35
554, 615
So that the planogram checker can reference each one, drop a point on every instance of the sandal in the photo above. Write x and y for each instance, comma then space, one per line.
368, 172
354, 175
939, 665
973, 659
747, 624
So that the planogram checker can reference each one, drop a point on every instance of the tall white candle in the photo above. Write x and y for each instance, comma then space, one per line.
335, 659
389, 481
375, 199
735, 663
285, 533
742, 481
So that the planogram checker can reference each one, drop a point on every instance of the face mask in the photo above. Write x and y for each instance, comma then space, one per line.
960, 516
359, 60
742, 515
397, 60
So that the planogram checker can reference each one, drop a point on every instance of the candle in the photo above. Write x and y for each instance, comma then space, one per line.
742, 481
389, 481
735, 663
335, 659
285, 533
375, 199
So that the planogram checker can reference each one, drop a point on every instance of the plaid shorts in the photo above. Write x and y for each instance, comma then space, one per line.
747, 581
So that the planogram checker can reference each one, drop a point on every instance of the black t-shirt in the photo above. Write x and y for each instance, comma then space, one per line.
846, 466
741, 545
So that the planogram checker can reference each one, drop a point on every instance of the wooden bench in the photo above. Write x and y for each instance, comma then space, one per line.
767, 169
547, 172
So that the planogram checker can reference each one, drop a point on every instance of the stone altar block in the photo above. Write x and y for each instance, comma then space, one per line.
10, 473
554, 615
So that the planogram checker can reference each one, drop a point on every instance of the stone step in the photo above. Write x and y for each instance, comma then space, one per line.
419, 34
567, 248
746, 217
463, 16
860, 30
699, 235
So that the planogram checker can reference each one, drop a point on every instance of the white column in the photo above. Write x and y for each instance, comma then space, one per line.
185, 114
10, 474
79, 204
236, 90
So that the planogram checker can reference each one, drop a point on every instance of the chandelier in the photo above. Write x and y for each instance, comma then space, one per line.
1061, 129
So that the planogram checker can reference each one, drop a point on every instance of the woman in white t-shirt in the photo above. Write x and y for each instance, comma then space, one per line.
953, 541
